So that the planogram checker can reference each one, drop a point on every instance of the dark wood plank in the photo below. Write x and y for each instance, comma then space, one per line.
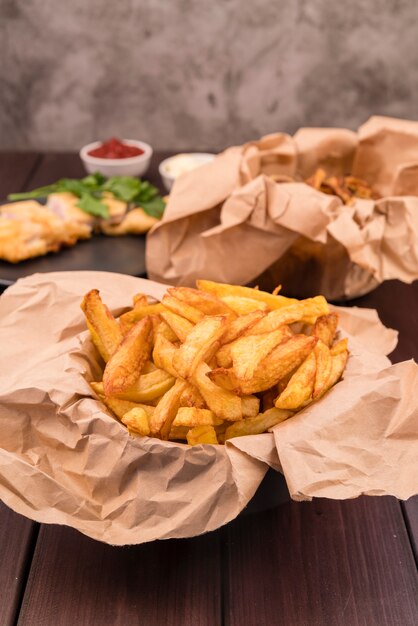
17, 536
75, 580
321, 563
410, 510
15, 171
58, 165
397, 304
16, 532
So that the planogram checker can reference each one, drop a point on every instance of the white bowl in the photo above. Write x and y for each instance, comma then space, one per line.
200, 158
132, 166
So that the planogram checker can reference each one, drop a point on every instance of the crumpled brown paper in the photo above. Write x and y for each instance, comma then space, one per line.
64, 459
230, 222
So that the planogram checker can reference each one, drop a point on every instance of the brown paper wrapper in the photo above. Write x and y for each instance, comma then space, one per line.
229, 221
64, 459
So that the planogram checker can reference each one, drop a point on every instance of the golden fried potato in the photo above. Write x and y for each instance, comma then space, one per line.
180, 326
192, 416
221, 289
124, 367
197, 366
201, 434
300, 387
166, 410
137, 421
325, 328
200, 344
323, 367
182, 308
257, 425
223, 403
204, 302
105, 331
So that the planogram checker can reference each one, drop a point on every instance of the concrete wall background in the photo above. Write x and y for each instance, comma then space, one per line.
185, 74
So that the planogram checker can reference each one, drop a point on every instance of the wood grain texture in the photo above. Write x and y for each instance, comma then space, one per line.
320, 564
53, 166
15, 171
75, 580
16, 532
410, 510
17, 535
397, 305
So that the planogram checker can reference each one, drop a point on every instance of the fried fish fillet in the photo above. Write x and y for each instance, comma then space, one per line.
28, 229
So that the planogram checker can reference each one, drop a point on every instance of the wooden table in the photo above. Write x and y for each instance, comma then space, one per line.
323, 563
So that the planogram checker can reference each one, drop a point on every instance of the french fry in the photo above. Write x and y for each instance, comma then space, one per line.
130, 318
281, 361
139, 300
162, 328
323, 367
221, 289
325, 328
250, 406
243, 306
197, 366
163, 354
182, 308
166, 410
303, 310
224, 404
124, 367
191, 396
199, 345
237, 327
137, 421
204, 302
121, 407
191, 417
201, 434
339, 362
248, 352
223, 357
148, 387
339, 347
257, 425
300, 387
105, 331
149, 367
180, 326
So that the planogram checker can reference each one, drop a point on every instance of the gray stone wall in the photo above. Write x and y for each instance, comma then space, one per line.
184, 74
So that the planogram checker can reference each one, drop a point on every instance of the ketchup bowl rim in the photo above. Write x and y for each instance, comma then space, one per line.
103, 161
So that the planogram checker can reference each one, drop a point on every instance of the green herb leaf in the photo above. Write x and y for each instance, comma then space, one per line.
94, 181
154, 207
36, 193
93, 206
123, 187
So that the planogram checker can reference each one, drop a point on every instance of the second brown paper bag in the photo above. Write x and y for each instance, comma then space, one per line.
230, 221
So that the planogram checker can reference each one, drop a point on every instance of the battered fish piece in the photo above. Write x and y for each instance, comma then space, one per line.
136, 222
29, 229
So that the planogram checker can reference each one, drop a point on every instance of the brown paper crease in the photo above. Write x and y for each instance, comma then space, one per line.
230, 222
64, 459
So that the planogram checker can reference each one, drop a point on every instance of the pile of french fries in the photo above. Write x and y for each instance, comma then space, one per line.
220, 361
347, 188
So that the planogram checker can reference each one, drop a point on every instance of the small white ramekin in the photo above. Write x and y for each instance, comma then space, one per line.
132, 166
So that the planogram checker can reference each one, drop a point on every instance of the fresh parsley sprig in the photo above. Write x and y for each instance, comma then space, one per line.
90, 190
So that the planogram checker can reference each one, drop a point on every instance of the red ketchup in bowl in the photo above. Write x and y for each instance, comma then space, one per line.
115, 149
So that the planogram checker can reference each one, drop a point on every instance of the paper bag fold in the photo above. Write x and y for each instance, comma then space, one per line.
65, 459
230, 221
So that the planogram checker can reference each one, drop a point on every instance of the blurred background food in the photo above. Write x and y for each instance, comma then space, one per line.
117, 157
173, 167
